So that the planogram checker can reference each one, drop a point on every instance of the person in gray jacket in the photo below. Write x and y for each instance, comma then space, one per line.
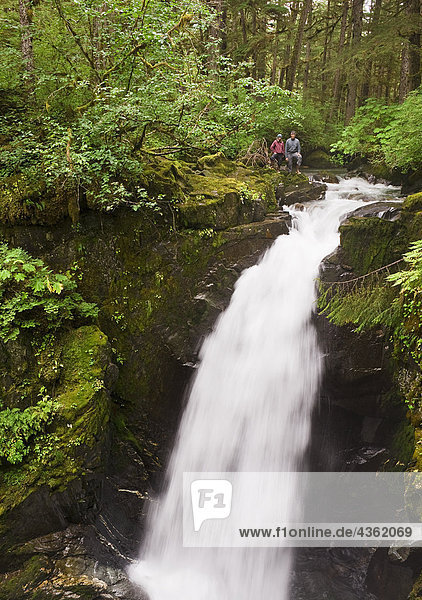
292, 152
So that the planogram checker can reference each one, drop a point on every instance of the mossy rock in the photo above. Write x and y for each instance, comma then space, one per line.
75, 444
218, 203
217, 163
22, 583
166, 178
413, 203
221, 202
297, 188
403, 445
27, 202
416, 593
370, 243
319, 159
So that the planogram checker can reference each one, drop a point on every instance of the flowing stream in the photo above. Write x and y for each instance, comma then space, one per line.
250, 407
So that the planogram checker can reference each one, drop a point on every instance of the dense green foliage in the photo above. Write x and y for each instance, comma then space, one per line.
19, 427
387, 134
33, 297
89, 90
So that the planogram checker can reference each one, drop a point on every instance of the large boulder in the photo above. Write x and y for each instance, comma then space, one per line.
214, 192
295, 188
412, 182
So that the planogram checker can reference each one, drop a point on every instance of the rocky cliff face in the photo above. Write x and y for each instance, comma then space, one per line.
68, 529
71, 524
362, 423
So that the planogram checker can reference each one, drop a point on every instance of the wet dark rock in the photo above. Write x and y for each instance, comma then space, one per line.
392, 572
298, 188
331, 574
325, 178
303, 191
111, 376
412, 182
389, 211
72, 563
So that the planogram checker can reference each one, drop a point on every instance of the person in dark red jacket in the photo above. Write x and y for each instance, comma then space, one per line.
277, 149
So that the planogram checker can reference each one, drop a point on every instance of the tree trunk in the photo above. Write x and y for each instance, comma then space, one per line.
287, 49
325, 53
308, 56
415, 45
366, 86
25, 21
294, 62
339, 71
357, 22
410, 72
261, 53
214, 37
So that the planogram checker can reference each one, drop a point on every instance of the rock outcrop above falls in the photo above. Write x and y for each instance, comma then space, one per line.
212, 192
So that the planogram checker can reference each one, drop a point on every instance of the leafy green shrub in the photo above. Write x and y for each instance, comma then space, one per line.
388, 134
19, 427
365, 306
402, 142
408, 331
366, 133
33, 297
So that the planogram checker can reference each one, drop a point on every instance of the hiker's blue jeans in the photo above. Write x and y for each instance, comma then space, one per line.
294, 157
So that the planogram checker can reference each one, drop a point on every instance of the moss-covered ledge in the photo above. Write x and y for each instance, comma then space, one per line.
369, 241
70, 452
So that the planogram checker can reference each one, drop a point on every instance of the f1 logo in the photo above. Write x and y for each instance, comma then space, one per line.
211, 499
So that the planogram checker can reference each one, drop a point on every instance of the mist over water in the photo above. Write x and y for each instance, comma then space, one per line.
250, 409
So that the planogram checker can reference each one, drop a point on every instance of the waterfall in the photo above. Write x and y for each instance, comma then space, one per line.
249, 408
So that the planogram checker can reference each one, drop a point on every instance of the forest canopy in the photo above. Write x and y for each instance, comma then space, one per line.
90, 88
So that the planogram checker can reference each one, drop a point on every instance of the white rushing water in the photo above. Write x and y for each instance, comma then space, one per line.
250, 408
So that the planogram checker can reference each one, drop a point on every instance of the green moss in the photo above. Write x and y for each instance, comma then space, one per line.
370, 243
81, 423
403, 445
413, 203
167, 178
22, 583
294, 179
23, 201
216, 163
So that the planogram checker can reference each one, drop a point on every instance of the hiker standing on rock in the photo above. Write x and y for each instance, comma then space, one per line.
277, 149
293, 152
